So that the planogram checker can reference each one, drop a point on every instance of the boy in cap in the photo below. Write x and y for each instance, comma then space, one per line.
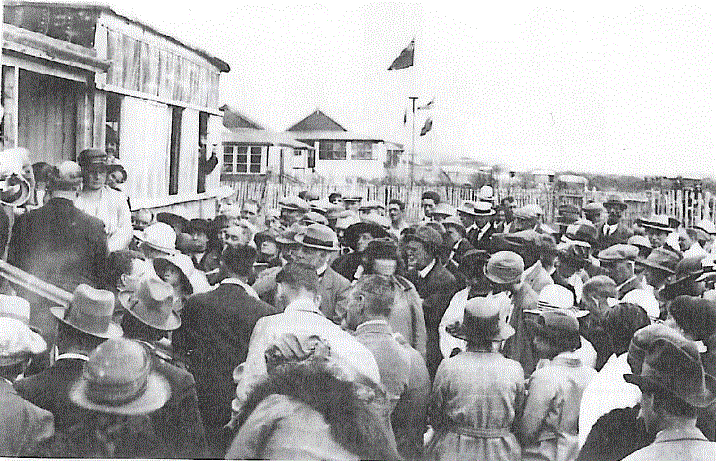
618, 264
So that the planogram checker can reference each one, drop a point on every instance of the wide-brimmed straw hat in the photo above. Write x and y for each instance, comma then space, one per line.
320, 237
118, 379
152, 304
476, 208
90, 312
481, 322
675, 368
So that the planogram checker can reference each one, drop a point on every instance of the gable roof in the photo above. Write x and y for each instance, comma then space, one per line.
235, 119
317, 121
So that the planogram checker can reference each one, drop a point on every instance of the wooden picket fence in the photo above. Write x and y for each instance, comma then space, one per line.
688, 206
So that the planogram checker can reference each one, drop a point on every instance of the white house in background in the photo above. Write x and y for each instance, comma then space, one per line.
250, 150
340, 155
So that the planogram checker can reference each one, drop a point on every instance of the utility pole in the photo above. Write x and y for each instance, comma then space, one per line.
412, 152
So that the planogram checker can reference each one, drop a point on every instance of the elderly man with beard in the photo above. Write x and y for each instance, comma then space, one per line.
435, 284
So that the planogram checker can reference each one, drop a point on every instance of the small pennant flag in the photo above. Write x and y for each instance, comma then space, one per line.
405, 117
428, 105
405, 59
428, 125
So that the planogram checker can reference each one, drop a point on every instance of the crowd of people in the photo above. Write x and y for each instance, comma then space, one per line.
334, 328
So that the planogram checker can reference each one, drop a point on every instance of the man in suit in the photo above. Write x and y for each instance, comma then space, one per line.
478, 219
214, 338
59, 244
435, 284
317, 245
406, 382
23, 425
148, 320
613, 231
83, 326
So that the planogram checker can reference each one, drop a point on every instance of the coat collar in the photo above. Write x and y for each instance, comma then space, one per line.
679, 433
303, 305
426, 270
374, 326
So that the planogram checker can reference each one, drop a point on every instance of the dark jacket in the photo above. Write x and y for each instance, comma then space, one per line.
436, 290
347, 264
615, 436
60, 244
212, 340
23, 426
178, 423
621, 235
520, 346
50, 390
482, 242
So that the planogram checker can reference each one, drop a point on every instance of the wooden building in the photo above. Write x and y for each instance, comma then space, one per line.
78, 75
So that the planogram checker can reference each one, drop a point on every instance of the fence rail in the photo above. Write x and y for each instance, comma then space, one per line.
688, 206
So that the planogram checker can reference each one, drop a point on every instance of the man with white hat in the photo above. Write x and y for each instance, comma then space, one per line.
22, 424
708, 231
478, 219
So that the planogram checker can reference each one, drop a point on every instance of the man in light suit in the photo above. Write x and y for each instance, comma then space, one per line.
402, 369
317, 244
297, 290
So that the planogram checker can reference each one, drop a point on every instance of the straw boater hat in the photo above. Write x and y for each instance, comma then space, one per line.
556, 298
320, 237
152, 304
159, 236
476, 208
90, 312
444, 209
118, 379
481, 322
707, 226
675, 368
660, 222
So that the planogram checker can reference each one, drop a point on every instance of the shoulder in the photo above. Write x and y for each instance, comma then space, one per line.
336, 277
441, 276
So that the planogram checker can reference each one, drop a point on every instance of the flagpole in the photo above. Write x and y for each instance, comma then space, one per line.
412, 153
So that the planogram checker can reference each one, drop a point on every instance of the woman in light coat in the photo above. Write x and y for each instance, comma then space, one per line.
478, 394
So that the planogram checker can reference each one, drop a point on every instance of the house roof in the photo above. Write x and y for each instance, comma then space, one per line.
97, 7
317, 121
262, 138
334, 135
235, 119
44, 47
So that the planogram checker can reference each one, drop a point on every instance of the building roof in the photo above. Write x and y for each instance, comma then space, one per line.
317, 121
393, 146
44, 47
96, 8
333, 136
262, 138
235, 119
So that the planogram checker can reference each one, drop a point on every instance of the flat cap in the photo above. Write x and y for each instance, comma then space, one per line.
619, 252
531, 211
292, 202
426, 234
593, 207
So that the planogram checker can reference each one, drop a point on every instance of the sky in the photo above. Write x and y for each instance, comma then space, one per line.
613, 88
